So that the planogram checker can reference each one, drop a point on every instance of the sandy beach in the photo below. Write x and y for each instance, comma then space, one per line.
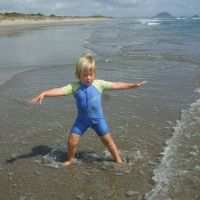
156, 128
35, 20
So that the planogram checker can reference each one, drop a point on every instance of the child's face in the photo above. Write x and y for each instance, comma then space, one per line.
87, 77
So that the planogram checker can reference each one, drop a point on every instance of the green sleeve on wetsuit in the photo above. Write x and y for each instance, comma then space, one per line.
70, 88
102, 85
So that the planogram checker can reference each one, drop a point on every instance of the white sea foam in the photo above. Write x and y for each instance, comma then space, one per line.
153, 23
56, 156
180, 159
195, 18
181, 18
150, 22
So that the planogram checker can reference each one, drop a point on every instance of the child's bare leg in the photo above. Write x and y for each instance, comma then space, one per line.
73, 140
109, 143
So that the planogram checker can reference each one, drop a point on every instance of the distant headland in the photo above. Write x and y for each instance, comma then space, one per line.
15, 18
163, 15
39, 16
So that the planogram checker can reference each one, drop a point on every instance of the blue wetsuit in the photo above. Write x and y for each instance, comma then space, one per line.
88, 102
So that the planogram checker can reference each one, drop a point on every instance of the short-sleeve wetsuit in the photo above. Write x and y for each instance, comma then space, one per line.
88, 102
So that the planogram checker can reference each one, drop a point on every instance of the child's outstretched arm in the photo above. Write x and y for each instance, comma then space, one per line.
49, 93
123, 85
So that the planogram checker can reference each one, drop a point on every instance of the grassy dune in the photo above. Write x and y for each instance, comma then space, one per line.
36, 17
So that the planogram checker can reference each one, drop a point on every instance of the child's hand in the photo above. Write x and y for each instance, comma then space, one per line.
39, 98
141, 83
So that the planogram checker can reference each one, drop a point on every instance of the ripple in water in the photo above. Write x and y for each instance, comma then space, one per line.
58, 155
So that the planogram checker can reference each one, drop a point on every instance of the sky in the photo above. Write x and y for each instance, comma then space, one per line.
112, 8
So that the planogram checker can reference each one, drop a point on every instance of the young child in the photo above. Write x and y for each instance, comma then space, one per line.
87, 93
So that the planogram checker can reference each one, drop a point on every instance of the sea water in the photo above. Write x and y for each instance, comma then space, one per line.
156, 128
165, 48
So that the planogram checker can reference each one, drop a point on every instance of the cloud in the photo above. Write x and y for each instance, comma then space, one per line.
102, 7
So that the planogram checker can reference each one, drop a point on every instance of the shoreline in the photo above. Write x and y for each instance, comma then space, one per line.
18, 26
25, 21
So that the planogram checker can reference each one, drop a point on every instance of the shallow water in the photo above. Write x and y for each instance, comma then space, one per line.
145, 122
180, 162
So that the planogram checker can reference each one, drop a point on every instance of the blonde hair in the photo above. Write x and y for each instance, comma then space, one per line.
86, 64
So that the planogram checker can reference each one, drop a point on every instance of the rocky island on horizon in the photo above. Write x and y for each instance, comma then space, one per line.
163, 15
168, 15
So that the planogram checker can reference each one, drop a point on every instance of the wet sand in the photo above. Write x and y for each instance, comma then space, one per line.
33, 132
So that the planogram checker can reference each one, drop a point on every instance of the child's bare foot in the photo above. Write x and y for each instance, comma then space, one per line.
120, 162
68, 162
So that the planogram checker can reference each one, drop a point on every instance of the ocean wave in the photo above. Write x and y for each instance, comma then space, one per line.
178, 58
150, 21
181, 18
180, 163
9, 72
153, 23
